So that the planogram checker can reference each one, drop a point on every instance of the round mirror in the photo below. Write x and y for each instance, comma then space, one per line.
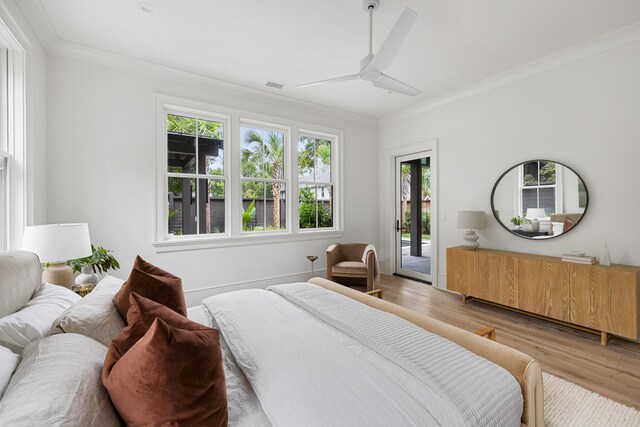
539, 199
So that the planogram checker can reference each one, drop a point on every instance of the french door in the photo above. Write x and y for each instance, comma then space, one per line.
413, 216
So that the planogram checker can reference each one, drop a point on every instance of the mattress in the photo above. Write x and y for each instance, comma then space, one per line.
300, 354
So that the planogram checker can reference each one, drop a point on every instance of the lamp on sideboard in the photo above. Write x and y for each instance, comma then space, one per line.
471, 221
533, 215
56, 244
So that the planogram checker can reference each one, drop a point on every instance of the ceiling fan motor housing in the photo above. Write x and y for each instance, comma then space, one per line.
370, 4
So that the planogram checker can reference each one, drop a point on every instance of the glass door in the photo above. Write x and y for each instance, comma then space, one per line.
413, 216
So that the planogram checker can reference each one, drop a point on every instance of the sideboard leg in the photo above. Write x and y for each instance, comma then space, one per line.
464, 299
604, 338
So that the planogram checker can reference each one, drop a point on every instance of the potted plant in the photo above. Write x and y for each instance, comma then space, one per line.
100, 261
518, 221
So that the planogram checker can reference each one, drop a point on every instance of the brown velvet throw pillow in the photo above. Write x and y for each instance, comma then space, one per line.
141, 315
568, 224
154, 283
171, 376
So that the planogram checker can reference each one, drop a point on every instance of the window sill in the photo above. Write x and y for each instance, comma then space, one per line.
198, 243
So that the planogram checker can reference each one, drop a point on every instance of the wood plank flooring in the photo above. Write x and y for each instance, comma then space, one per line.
612, 371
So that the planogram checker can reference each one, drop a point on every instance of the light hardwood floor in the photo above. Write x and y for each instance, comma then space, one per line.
613, 371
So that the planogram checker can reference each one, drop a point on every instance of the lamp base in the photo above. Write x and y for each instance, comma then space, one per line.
471, 240
58, 273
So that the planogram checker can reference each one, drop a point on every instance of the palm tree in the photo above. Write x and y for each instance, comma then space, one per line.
316, 153
405, 182
271, 151
426, 182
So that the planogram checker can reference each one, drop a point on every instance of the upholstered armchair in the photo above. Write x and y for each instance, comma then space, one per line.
353, 263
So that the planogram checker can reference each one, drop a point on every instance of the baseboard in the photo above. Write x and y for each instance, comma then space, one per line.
195, 296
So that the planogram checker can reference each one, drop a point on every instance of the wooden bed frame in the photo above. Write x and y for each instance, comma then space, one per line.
523, 367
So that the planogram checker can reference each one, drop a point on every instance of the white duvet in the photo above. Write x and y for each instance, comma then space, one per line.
306, 369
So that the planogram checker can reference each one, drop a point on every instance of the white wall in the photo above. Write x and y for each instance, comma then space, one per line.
32, 167
102, 152
583, 114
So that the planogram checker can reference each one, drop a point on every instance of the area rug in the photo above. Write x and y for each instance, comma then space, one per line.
569, 405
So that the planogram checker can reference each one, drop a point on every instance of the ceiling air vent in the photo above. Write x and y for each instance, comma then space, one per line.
275, 85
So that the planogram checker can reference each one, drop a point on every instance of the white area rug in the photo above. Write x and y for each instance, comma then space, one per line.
569, 405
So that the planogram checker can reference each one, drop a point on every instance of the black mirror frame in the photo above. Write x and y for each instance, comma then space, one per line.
493, 208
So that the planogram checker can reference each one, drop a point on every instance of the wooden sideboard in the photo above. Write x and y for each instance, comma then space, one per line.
603, 299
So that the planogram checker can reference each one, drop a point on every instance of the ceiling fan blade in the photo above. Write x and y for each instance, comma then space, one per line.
389, 83
389, 49
334, 80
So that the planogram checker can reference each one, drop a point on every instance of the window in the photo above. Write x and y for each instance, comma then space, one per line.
229, 179
4, 202
264, 186
538, 186
315, 184
196, 175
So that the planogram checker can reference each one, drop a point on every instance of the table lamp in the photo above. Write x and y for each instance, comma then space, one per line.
56, 244
471, 221
533, 214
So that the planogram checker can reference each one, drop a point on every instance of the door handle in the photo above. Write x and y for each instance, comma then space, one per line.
398, 228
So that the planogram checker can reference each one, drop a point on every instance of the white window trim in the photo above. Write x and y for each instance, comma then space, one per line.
273, 127
19, 175
220, 118
335, 177
557, 193
6, 214
234, 236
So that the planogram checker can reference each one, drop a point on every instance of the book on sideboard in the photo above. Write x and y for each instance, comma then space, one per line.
579, 259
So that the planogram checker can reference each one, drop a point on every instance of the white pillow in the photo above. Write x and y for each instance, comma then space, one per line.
33, 321
8, 363
58, 383
96, 316
558, 227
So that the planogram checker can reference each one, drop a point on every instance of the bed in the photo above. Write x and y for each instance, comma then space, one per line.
322, 354
313, 354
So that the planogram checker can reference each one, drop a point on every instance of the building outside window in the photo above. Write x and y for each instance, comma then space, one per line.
315, 183
228, 177
538, 186
196, 176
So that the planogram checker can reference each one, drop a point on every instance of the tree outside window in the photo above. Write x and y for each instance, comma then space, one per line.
316, 189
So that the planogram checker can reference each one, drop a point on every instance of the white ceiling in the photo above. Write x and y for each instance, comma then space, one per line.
454, 43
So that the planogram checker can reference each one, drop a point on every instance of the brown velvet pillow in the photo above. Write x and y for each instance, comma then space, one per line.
568, 224
140, 317
154, 283
171, 376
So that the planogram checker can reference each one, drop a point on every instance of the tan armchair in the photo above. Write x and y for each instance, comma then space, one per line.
353, 263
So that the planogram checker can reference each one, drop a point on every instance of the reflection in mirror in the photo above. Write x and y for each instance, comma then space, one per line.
539, 199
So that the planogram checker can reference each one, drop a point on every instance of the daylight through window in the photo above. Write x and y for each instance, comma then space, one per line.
196, 176
539, 186
316, 189
264, 187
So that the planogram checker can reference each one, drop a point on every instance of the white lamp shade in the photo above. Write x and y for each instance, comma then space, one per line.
57, 242
535, 213
471, 220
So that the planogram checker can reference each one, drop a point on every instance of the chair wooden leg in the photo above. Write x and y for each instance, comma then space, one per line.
375, 292
487, 331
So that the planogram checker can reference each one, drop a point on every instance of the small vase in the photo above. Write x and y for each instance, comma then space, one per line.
86, 281
88, 277
604, 258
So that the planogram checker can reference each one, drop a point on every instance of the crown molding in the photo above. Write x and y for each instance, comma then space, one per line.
596, 46
38, 21
151, 69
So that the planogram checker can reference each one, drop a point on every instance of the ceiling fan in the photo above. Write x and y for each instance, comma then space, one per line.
372, 66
